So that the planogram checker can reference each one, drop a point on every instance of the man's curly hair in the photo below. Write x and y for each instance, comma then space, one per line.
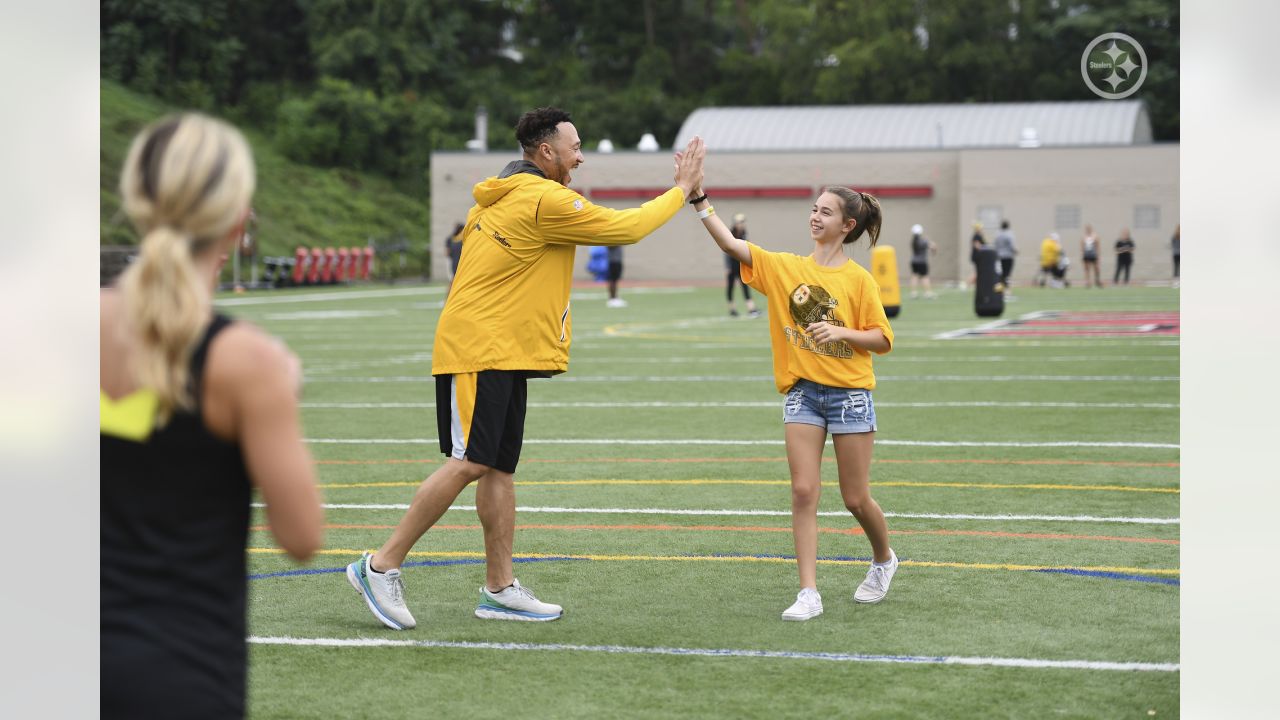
537, 125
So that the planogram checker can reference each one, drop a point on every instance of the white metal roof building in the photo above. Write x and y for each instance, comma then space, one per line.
1044, 167
919, 127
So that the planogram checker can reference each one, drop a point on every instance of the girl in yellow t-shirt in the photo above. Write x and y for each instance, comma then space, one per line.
825, 320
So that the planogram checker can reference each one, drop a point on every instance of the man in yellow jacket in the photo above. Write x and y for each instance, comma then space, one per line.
506, 320
1050, 258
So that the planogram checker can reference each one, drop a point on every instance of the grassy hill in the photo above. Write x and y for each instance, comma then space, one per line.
295, 204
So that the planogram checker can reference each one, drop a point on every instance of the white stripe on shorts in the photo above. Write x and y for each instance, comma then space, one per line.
455, 421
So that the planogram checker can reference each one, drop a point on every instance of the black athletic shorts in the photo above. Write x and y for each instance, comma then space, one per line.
480, 416
615, 272
920, 268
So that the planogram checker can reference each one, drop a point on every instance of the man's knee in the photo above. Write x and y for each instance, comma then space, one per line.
468, 471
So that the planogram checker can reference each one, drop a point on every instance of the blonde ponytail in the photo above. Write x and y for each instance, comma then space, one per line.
166, 312
186, 184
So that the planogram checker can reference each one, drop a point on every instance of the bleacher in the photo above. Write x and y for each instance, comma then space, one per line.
381, 259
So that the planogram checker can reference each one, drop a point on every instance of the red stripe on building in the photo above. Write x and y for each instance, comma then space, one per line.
897, 191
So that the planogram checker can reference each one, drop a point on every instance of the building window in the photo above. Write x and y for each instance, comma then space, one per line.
1066, 217
990, 217
1146, 217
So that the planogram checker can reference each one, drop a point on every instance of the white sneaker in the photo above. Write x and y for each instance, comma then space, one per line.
876, 586
616, 303
515, 602
382, 592
808, 604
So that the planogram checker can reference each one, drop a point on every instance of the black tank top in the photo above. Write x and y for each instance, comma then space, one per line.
175, 518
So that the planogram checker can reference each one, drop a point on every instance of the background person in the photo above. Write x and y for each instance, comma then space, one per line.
1006, 251
522, 236
453, 245
921, 248
733, 271
1089, 253
196, 410
613, 275
976, 242
1175, 244
1051, 270
1124, 256
825, 320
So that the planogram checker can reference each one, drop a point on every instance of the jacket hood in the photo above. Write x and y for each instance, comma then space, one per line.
516, 174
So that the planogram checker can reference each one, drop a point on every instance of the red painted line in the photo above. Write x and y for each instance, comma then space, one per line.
1092, 333
1154, 315
1092, 322
768, 529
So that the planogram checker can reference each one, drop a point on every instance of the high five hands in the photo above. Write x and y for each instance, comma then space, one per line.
688, 164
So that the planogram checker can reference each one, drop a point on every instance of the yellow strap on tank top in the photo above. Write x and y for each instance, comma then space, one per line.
132, 417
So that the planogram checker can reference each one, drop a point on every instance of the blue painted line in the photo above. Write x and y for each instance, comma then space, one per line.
836, 558
416, 563
1113, 576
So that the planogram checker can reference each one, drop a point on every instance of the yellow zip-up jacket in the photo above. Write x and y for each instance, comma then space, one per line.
509, 305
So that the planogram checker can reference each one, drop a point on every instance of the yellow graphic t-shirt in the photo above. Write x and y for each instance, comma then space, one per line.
801, 292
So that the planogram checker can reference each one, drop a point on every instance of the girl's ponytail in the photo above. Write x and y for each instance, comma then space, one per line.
872, 216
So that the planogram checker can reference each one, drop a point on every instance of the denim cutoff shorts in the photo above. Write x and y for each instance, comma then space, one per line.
839, 410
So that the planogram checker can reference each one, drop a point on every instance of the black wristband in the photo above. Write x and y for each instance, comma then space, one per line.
697, 200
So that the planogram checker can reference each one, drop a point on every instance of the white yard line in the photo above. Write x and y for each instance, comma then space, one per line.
1104, 665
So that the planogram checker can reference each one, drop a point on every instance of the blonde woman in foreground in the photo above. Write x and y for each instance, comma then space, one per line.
195, 410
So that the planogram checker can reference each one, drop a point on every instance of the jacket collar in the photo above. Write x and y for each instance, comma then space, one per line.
521, 166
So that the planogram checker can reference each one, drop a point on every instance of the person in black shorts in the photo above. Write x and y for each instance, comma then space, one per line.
1124, 257
976, 243
1089, 245
507, 320
921, 248
613, 275
733, 272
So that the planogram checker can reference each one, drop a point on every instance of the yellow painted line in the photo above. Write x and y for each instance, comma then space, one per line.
340, 486
747, 558
829, 483
621, 331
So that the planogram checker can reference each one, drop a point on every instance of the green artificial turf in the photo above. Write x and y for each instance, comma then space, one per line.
1041, 427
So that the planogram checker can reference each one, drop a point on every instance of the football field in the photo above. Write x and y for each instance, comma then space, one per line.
1029, 470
